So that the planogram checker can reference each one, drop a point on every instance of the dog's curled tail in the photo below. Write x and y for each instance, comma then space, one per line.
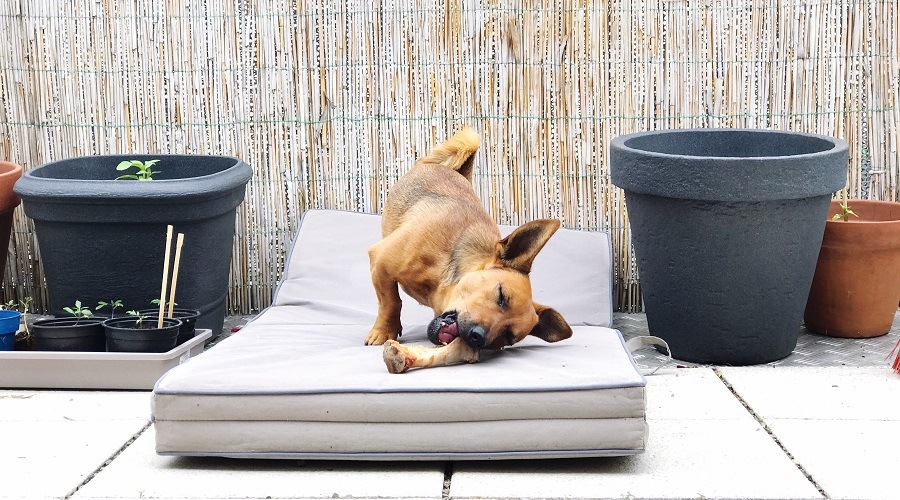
456, 153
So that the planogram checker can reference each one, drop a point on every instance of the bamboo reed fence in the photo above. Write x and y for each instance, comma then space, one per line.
331, 101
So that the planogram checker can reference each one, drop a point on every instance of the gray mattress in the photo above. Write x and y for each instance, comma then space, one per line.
297, 382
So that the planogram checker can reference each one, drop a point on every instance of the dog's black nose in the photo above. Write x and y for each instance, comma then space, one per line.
476, 337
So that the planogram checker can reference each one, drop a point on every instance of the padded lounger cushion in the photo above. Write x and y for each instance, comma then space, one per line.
297, 382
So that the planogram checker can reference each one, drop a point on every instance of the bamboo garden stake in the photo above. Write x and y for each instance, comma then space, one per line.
171, 301
165, 277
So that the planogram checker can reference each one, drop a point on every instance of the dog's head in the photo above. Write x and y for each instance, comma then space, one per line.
492, 307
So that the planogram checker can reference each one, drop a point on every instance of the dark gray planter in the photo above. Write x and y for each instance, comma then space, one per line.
726, 227
103, 239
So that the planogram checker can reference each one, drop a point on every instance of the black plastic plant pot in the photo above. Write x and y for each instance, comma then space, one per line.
68, 334
101, 238
125, 335
726, 227
188, 319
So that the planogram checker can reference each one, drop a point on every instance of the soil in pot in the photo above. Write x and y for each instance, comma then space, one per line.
856, 285
188, 319
68, 334
126, 335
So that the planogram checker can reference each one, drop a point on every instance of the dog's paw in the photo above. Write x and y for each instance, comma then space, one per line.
396, 360
379, 337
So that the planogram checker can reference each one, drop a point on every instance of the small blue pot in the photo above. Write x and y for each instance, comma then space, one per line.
7, 341
9, 321
9, 325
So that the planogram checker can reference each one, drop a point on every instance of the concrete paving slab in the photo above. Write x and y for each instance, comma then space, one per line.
703, 443
690, 394
840, 424
833, 393
31, 406
140, 473
53, 441
850, 460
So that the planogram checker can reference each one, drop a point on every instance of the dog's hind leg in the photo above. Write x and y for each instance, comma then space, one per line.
387, 324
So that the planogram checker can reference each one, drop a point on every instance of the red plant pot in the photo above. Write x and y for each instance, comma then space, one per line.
856, 288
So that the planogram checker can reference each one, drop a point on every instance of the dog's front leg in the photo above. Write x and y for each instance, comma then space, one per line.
387, 324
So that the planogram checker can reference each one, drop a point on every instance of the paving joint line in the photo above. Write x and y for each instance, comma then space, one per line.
448, 476
772, 435
109, 460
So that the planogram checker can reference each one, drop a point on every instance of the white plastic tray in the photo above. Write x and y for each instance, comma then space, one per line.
93, 370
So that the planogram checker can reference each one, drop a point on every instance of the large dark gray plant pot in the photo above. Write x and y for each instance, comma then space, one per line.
103, 239
726, 227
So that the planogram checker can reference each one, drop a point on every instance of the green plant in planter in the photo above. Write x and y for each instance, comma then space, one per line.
112, 304
156, 303
846, 212
138, 318
23, 306
80, 312
145, 170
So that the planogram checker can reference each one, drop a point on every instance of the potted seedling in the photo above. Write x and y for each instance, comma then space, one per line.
856, 286
141, 333
144, 172
151, 330
188, 319
112, 305
89, 206
82, 331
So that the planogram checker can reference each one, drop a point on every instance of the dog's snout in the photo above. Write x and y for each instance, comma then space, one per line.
476, 337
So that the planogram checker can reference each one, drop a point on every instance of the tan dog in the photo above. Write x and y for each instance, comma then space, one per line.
442, 247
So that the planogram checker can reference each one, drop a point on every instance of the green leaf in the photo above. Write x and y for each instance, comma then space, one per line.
68, 310
124, 165
129, 176
150, 163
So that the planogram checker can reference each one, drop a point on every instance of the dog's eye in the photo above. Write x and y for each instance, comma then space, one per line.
502, 300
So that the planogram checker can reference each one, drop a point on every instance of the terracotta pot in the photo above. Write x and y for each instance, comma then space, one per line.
9, 200
856, 287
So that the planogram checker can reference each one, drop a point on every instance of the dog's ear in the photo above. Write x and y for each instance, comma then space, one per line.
519, 249
550, 326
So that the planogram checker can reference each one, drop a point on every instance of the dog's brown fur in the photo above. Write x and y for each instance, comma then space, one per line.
442, 247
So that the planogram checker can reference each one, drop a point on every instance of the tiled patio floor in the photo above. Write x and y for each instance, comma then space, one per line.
794, 429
